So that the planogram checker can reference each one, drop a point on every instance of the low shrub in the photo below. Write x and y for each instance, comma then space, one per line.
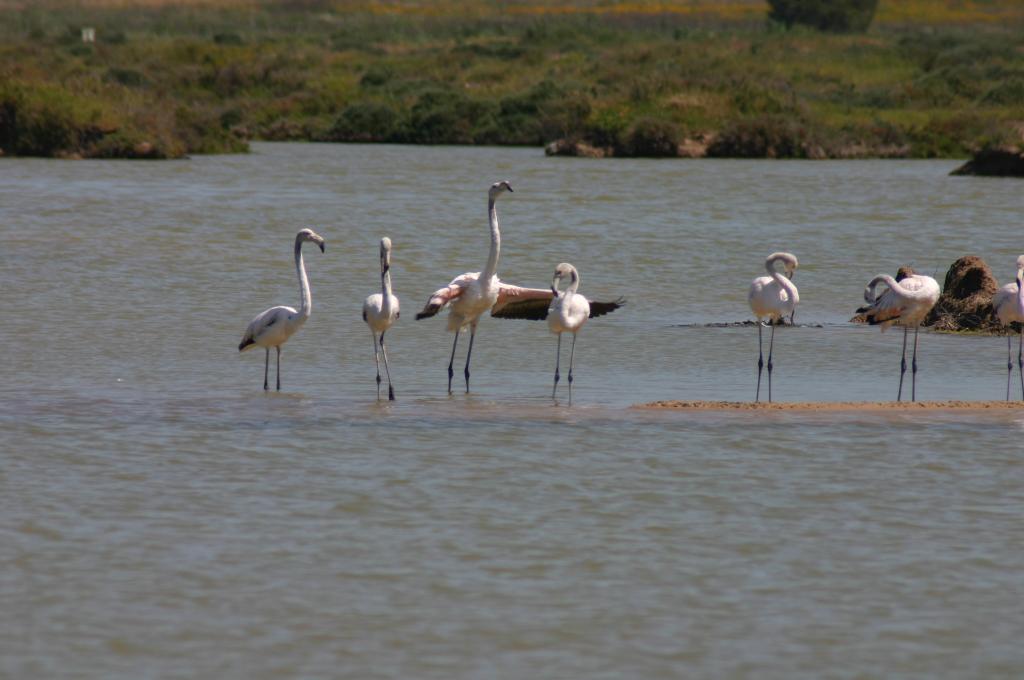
653, 138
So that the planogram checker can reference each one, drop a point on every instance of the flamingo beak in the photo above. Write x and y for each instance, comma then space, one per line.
554, 291
322, 250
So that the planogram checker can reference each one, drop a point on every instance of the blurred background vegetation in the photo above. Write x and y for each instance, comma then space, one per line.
165, 78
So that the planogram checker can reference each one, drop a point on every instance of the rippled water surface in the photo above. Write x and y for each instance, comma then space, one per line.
162, 517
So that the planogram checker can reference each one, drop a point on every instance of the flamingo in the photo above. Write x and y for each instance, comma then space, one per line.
907, 302
1008, 304
565, 311
772, 297
471, 294
380, 311
273, 327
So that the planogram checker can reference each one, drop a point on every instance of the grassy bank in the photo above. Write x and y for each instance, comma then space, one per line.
931, 78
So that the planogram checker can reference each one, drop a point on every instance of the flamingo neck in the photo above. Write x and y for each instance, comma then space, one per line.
385, 287
307, 298
784, 283
574, 282
492, 259
1020, 295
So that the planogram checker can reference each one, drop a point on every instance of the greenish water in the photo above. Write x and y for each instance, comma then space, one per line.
163, 517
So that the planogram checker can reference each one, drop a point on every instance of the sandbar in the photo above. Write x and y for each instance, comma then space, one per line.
834, 406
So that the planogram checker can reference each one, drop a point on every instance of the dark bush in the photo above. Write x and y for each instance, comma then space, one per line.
376, 76
763, 137
443, 116
365, 122
228, 39
127, 77
1007, 93
653, 138
838, 16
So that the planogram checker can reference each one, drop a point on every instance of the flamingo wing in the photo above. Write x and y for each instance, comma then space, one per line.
516, 302
443, 297
602, 308
262, 323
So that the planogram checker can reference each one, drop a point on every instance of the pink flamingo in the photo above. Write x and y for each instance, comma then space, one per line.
907, 302
471, 294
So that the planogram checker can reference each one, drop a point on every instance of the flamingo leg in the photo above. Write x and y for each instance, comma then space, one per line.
771, 345
760, 362
558, 358
387, 369
913, 374
1020, 360
903, 365
469, 354
572, 351
266, 369
279, 368
1009, 366
451, 361
376, 360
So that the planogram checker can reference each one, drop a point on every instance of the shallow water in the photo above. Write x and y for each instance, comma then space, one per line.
163, 517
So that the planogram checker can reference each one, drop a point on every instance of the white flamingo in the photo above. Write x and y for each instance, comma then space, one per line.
273, 327
1008, 305
380, 311
906, 303
772, 297
471, 294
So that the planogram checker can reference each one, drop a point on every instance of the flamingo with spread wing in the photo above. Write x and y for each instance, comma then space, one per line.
470, 295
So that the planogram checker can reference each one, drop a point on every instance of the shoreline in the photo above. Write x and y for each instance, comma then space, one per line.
832, 406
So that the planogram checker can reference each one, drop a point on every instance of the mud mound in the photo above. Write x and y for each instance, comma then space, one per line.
966, 300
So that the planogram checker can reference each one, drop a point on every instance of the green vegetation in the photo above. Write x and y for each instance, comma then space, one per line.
172, 80
840, 16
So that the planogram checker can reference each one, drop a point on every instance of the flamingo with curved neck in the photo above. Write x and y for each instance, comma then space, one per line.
772, 297
273, 327
906, 302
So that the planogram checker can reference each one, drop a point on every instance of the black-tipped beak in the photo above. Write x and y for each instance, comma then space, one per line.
554, 291
385, 269
322, 250
509, 187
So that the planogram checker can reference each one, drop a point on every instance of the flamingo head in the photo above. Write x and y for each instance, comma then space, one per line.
563, 271
310, 235
788, 260
497, 188
385, 255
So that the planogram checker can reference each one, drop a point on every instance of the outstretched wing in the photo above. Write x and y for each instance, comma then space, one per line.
442, 297
602, 308
516, 302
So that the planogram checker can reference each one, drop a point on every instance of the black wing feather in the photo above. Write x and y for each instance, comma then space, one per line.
532, 310
602, 308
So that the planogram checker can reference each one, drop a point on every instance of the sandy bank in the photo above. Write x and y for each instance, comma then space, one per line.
835, 406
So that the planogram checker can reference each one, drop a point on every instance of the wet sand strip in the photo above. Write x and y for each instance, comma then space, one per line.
889, 406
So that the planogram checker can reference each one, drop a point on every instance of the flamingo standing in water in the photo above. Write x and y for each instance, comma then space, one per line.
772, 297
566, 313
471, 294
1008, 304
380, 311
273, 327
907, 302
